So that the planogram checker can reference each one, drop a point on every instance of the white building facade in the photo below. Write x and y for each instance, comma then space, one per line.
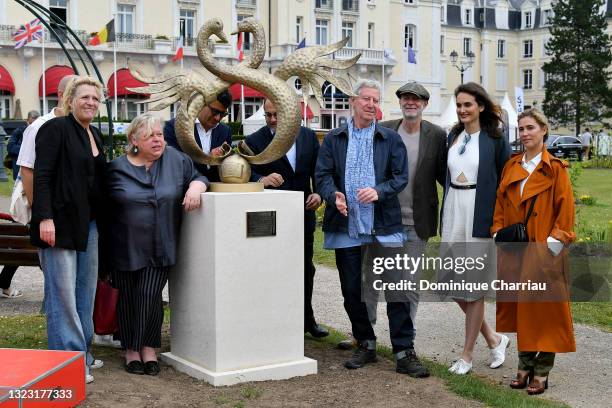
506, 37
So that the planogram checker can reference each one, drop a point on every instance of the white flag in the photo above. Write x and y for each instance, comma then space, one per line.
518, 92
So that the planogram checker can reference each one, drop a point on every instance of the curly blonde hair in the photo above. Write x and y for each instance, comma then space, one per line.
70, 92
538, 117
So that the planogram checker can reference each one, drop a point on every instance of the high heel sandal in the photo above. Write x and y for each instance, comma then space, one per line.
521, 380
537, 386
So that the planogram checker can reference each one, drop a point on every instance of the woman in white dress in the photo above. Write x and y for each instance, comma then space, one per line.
476, 156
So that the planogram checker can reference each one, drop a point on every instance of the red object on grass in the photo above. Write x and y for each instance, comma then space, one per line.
42, 378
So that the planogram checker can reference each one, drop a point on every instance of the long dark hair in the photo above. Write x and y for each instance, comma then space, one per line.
490, 117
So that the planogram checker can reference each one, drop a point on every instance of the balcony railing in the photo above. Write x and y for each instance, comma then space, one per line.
368, 55
134, 41
246, 3
6, 33
350, 5
325, 5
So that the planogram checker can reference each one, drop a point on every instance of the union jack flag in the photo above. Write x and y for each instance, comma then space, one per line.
32, 30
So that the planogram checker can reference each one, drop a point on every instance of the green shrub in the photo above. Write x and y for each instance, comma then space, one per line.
587, 199
575, 170
599, 162
236, 128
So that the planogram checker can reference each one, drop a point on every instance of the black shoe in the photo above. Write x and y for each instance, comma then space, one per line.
151, 367
135, 367
347, 344
361, 357
410, 364
317, 331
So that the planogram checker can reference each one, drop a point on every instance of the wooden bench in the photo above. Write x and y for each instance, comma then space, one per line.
15, 246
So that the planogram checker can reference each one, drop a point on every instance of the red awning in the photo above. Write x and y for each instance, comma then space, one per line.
248, 92
124, 80
309, 113
378, 114
6, 81
53, 76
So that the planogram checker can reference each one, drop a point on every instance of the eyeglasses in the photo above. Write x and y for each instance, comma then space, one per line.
271, 115
216, 112
466, 140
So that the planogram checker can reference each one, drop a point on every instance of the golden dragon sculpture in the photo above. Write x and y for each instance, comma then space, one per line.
194, 91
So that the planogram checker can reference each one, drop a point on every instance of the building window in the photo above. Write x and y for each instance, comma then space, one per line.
467, 46
370, 35
246, 39
5, 106
410, 36
125, 14
527, 48
501, 48
409, 1
321, 32
347, 31
350, 5
324, 4
60, 8
527, 79
187, 25
441, 44
467, 17
547, 16
528, 19
298, 28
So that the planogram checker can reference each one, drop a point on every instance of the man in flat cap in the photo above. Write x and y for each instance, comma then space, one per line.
426, 147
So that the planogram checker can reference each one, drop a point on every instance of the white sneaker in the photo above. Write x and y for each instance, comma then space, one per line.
461, 367
88, 378
106, 340
498, 353
97, 364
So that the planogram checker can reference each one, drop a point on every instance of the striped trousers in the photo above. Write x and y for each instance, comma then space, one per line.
140, 312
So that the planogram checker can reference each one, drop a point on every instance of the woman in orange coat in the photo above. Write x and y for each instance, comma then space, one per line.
543, 327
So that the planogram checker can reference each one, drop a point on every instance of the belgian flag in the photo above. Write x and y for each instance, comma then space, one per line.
106, 34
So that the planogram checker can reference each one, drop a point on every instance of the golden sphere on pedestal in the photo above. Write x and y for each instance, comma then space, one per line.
235, 169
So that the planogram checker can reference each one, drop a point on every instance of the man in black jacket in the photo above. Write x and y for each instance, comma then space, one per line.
295, 172
209, 133
14, 143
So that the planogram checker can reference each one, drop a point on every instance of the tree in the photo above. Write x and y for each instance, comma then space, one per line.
576, 78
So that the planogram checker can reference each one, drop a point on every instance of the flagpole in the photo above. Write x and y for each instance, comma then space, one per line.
44, 69
115, 62
333, 102
382, 91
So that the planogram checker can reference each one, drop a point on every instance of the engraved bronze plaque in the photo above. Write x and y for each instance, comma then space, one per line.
261, 224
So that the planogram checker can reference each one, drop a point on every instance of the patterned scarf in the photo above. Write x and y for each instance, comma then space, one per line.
359, 173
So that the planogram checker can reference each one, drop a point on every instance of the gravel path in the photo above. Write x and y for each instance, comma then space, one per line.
580, 379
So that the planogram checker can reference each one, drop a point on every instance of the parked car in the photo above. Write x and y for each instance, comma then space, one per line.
567, 147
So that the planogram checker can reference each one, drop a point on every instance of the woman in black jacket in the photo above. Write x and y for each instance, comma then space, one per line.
68, 182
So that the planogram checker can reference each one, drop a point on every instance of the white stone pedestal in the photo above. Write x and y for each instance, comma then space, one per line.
237, 302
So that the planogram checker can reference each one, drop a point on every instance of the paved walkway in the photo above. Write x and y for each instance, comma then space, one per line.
582, 379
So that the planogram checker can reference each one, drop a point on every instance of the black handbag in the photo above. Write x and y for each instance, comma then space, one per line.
516, 232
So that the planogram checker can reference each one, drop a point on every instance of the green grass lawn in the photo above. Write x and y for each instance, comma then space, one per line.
6, 188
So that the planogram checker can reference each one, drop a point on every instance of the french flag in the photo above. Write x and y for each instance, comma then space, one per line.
179, 50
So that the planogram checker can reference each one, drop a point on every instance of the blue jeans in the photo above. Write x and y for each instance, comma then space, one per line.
70, 288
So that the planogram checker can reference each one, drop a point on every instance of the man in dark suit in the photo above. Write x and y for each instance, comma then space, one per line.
295, 172
209, 132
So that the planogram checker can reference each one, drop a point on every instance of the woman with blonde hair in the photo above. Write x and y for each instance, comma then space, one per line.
67, 201
476, 156
148, 189
537, 183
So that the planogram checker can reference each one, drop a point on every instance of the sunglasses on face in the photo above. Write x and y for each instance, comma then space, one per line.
216, 112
